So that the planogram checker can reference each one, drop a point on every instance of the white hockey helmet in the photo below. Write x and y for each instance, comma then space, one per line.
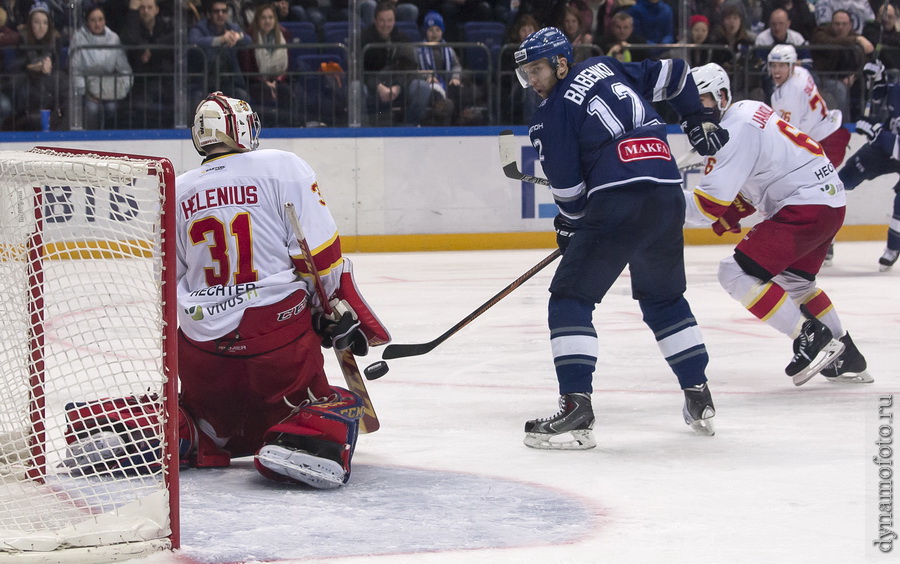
220, 119
712, 79
783, 53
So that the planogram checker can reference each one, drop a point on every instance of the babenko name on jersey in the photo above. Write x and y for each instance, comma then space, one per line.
584, 80
221, 196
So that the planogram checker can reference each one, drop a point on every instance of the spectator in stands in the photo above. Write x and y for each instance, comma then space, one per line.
886, 32
102, 76
732, 32
458, 12
152, 95
393, 94
779, 31
698, 28
653, 20
517, 104
859, 11
220, 40
574, 29
446, 79
618, 41
802, 19
266, 68
285, 11
838, 68
44, 85
403, 11
8, 38
601, 16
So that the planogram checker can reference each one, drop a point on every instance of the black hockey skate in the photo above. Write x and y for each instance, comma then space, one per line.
850, 366
814, 349
569, 429
887, 260
699, 409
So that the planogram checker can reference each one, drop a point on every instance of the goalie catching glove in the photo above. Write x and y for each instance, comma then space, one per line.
703, 131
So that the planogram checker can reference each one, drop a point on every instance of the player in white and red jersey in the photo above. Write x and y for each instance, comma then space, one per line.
774, 168
798, 102
250, 363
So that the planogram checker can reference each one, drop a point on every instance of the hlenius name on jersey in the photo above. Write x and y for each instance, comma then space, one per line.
221, 196
584, 80
641, 148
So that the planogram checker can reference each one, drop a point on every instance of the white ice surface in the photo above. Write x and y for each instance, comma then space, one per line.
788, 477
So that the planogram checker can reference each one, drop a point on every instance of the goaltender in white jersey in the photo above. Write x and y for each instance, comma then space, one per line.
771, 166
225, 194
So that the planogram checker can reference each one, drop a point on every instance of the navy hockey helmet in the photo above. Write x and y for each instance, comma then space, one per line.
548, 43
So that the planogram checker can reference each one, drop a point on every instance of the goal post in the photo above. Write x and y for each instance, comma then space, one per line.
87, 349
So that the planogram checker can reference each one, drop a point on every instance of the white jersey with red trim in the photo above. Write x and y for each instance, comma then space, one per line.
768, 161
799, 103
234, 240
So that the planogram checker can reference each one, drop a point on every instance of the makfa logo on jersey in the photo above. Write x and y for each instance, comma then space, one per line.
643, 148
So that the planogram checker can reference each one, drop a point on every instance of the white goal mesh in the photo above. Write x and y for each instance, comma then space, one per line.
87, 327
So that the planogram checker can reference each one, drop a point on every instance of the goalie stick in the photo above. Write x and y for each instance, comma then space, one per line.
507, 143
369, 421
400, 351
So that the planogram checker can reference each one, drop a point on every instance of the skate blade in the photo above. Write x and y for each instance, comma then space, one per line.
884, 267
570, 440
302, 467
704, 425
826, 356
850, 378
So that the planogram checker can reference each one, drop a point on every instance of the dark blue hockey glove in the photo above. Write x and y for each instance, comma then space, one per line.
703, 131
564, 228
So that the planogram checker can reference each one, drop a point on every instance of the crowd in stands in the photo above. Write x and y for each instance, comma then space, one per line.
421, 61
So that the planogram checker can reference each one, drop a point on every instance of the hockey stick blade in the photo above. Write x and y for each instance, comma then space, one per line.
369, 421
507, 143
401, 351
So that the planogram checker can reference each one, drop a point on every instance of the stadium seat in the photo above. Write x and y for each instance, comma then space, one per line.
301, 32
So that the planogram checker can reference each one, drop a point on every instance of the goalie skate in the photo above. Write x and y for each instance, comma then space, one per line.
301, 466
850, 367
569, 429
814, 349
699, 410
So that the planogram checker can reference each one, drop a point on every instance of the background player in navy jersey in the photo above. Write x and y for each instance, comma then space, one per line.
881, 155
612, 174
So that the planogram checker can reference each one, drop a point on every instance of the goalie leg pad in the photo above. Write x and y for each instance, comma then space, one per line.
376, 333
112, 435
196, 447
314, 446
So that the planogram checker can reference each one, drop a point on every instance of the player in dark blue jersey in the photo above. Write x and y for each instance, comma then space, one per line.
881, 155
604, 150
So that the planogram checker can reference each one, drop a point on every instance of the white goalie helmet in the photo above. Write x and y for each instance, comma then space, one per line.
220, 119
712, 79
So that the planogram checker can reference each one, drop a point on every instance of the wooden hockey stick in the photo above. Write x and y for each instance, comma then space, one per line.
511, 168
369, 421
400, 351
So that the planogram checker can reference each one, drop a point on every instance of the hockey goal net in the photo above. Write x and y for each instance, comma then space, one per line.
87, 315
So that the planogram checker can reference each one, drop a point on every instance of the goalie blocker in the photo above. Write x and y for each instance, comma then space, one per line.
312, 446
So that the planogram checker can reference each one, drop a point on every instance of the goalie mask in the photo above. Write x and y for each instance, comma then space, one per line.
220, 119
712, 79
548, 43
